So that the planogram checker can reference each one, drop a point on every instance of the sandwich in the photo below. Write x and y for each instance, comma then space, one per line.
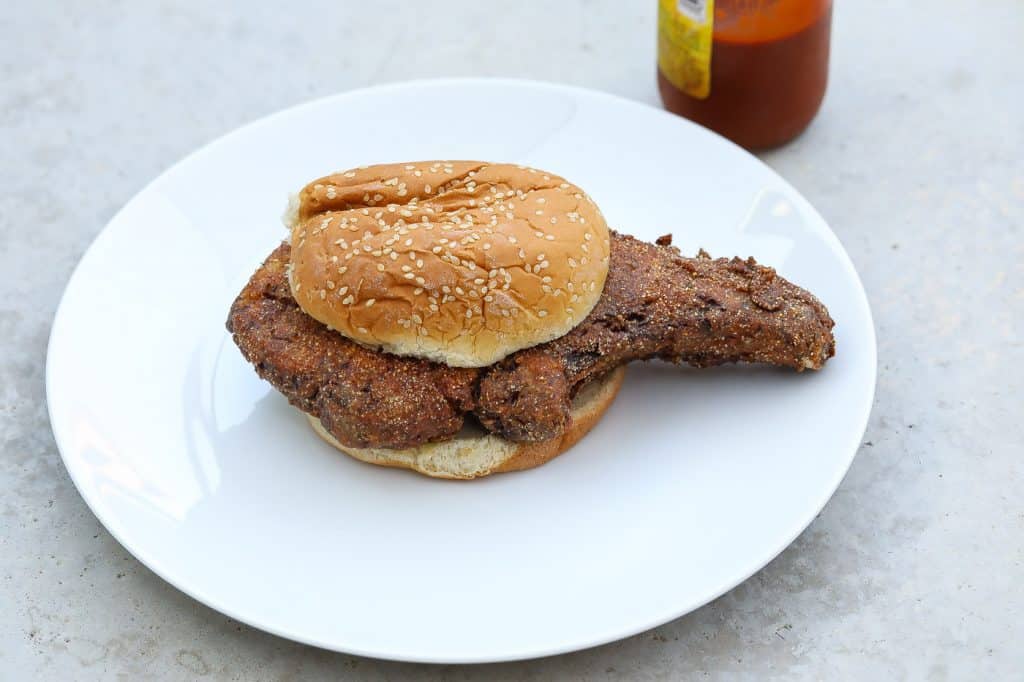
462, 318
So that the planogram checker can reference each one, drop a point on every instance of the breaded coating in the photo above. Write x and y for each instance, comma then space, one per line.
655, 304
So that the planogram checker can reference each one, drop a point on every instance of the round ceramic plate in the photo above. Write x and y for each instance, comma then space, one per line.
692, 482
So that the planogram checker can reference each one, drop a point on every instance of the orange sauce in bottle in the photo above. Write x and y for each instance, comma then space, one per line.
768, 71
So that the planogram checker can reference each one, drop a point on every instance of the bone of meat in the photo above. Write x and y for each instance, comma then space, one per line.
655, 304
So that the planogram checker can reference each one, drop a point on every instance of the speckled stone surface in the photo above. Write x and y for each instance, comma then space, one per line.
914, 569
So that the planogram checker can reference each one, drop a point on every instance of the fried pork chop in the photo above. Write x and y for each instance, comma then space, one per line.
655, 304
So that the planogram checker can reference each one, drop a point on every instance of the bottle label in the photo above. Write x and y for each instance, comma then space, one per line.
684, 44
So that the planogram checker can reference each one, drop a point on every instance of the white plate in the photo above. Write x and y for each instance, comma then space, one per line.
691, 483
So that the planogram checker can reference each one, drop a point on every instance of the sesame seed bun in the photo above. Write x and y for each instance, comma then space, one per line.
459, 262
474, 453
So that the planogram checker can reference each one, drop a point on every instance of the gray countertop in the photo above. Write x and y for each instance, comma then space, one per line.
913, 570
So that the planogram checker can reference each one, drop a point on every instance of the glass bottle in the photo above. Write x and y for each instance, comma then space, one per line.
754, 71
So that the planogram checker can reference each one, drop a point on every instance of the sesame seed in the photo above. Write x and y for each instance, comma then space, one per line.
469, 313
550, 237
391, 181
546, 279
539, 212
542, 313
342, 291
380, 267
427, 189
330, 285
408, 242
364, 330
408, 275
420, 280
348, 299
418, 173
393, 256
417, 291
572, 262
423, 331
370, 302
350, 174
331, 192
419, 262
588, 236
323, 294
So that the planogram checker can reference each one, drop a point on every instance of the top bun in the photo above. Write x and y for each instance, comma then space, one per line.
459, 262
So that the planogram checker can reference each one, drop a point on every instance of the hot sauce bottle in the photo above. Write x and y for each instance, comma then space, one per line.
754, 71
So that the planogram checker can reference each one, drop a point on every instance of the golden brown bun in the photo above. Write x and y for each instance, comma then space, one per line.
475, 453
459, 262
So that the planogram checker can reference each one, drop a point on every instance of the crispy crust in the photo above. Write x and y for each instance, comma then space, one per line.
481, 454
655, 304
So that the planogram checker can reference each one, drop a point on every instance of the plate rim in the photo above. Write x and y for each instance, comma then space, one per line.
569, 644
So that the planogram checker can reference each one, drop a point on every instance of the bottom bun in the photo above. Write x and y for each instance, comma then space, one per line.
474, 452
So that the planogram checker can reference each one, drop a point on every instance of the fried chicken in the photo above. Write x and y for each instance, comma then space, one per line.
655, 304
